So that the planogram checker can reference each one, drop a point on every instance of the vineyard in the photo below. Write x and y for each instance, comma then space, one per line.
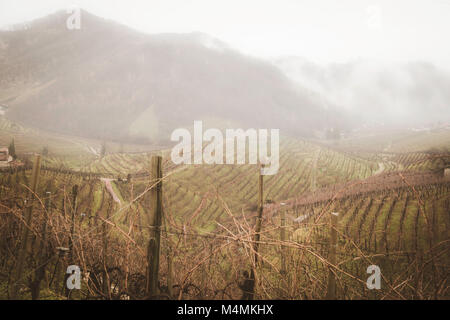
93, 211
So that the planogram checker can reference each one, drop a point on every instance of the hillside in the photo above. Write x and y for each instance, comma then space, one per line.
106, 80
396, 219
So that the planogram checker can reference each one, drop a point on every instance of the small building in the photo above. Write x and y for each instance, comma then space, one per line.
4, 154
447, 172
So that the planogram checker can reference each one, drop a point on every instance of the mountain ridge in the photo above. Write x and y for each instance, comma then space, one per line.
107, 81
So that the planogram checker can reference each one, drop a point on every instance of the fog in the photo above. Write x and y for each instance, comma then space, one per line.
415, 93
322, 31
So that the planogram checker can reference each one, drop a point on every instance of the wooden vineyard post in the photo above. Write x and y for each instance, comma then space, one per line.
257, 232
283, 239
106, 280
48, 215
72, 221
42, 253
72, 232
170, 274
155, 218
331, 292
26, 231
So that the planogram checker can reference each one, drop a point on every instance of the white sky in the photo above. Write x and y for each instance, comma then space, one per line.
323, 31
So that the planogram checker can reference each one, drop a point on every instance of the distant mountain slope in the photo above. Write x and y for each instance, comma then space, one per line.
107, 80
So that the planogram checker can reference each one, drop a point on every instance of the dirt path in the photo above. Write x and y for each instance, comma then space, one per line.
381, 168
110, 189
93, 151
381, 165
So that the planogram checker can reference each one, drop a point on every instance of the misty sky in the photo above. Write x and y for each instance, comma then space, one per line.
319, 30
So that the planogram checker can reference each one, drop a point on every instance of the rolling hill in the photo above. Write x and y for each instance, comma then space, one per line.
108, 81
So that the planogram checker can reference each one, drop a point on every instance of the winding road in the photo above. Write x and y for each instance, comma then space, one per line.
110, 189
